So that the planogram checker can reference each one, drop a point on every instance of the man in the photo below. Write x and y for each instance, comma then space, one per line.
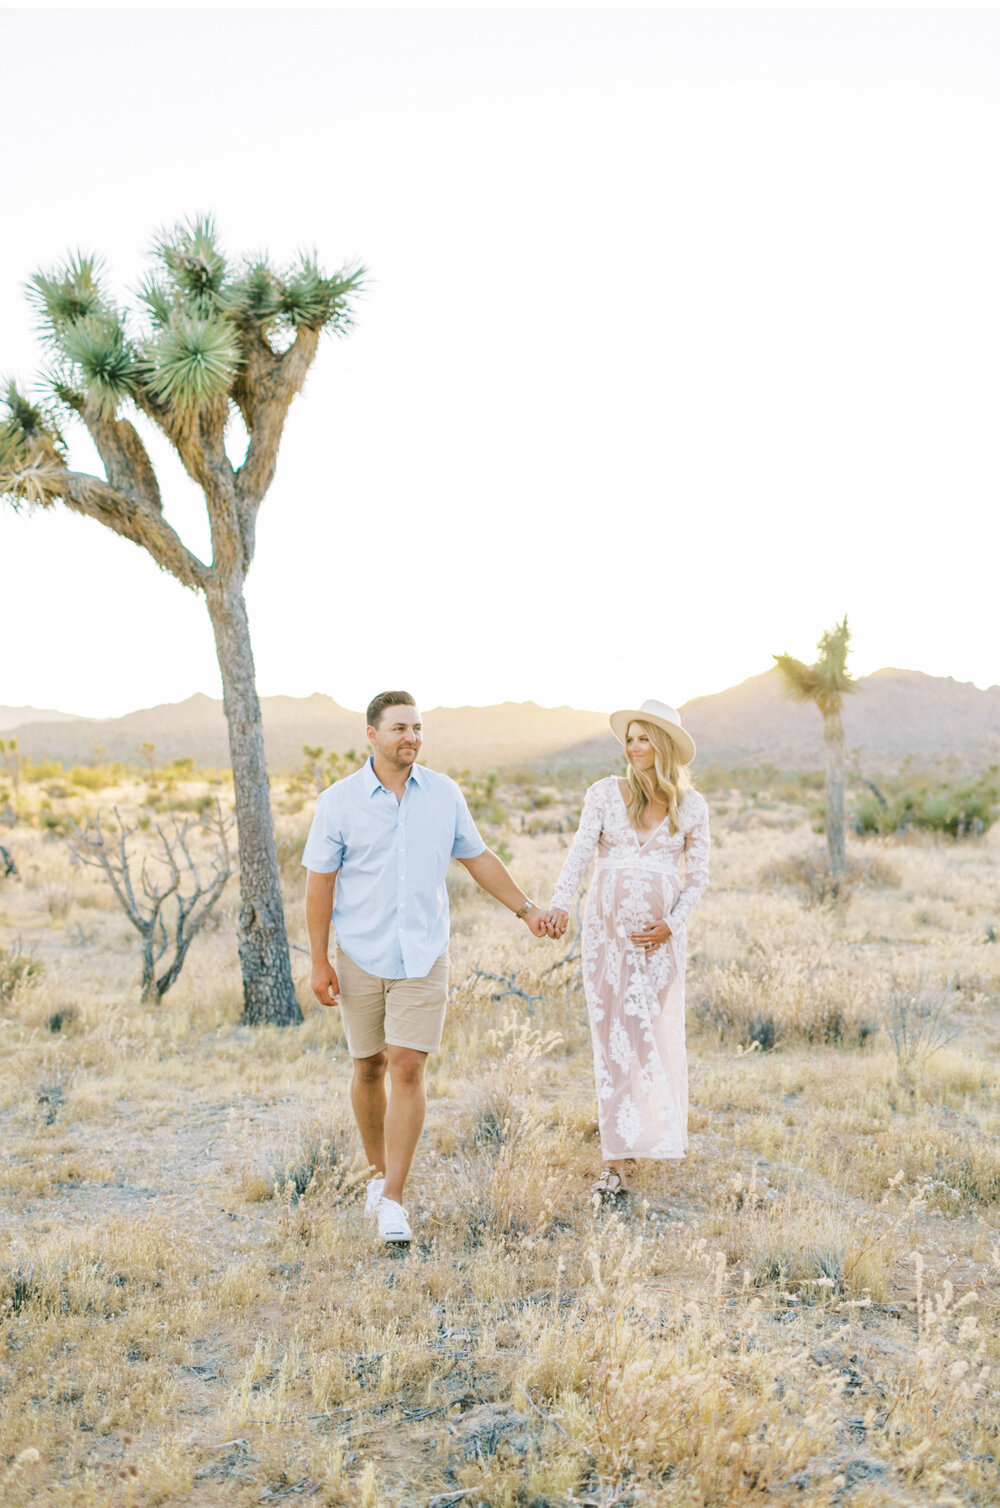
377, 855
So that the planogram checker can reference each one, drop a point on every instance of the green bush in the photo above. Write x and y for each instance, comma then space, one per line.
197, 804
911, 800
90, 777
46, 769
927, 803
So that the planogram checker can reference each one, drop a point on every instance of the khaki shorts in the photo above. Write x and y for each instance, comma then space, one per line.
397, 1012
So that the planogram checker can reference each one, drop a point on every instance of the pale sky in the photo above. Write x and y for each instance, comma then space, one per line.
682, 340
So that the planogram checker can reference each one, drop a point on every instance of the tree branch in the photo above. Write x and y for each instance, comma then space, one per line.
198, 436
266, 393
134, 520
126, 462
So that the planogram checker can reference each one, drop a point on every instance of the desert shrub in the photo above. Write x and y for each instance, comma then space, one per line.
197, 804
771, 999
45, 769
762, 782
50, 821
321, 1156
534, 825
494, 1201
927, 803
809, 870
90, 777
17, 969
953, 1170
917, 1020
57, 823
484, 798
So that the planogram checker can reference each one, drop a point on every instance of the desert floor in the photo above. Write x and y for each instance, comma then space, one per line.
195, 1310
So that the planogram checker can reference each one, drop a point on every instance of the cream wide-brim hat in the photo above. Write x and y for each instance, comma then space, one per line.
661, 716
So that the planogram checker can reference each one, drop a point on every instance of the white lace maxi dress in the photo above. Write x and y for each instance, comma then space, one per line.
636, 1000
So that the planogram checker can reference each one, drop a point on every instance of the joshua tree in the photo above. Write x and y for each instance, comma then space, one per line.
13, 759
212, 345
826, 683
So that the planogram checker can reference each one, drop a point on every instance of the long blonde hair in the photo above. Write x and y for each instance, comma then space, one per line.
668, 780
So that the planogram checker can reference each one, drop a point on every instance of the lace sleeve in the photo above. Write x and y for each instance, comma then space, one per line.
696, 848
580, 855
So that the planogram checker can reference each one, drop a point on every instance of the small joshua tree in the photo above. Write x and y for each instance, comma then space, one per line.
211, 348
144, 897
826, 683
14, 760
326, 768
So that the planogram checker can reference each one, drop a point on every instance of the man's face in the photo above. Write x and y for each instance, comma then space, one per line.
398, 737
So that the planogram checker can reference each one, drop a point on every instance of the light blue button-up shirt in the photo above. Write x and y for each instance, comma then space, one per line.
391, 857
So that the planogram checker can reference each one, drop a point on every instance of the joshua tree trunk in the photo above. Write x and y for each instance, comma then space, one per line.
826, 683
833, 737
268, 991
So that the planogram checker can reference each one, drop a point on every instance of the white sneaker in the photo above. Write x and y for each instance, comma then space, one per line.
375, 1187
393, 1226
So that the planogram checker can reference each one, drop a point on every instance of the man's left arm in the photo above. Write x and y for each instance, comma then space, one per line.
495, 878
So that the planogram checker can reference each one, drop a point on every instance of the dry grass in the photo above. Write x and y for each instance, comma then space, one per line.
194, 1310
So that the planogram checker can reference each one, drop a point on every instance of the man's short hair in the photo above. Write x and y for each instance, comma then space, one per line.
385, 699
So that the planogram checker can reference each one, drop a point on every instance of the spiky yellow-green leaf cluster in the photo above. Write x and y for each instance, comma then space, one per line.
64, 296
31, 450
192, 360
102, 359
827, 681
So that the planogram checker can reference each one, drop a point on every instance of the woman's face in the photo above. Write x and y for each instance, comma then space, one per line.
638, 747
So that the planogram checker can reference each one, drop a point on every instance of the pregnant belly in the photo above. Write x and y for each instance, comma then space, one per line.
630, 899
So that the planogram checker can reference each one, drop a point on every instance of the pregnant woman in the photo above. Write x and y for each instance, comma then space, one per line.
648, 830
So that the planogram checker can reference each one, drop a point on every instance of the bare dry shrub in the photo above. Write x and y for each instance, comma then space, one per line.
322, 1156
808, 871
918, 1020
814, 1249
18, 972
773, 998
956, 1169
504, 1189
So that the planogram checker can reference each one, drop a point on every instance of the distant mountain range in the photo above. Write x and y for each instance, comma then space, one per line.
894, 715
474, 738
12, 718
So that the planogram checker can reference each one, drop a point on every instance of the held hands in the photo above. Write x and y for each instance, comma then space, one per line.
651, 937
535, 919
325, 984
539, 922
556, 922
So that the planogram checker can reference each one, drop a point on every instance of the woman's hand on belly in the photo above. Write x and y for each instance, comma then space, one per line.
653, 936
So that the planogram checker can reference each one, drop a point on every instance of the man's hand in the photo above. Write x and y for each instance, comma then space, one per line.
534, 920
556, 922
651, 937
325, 984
